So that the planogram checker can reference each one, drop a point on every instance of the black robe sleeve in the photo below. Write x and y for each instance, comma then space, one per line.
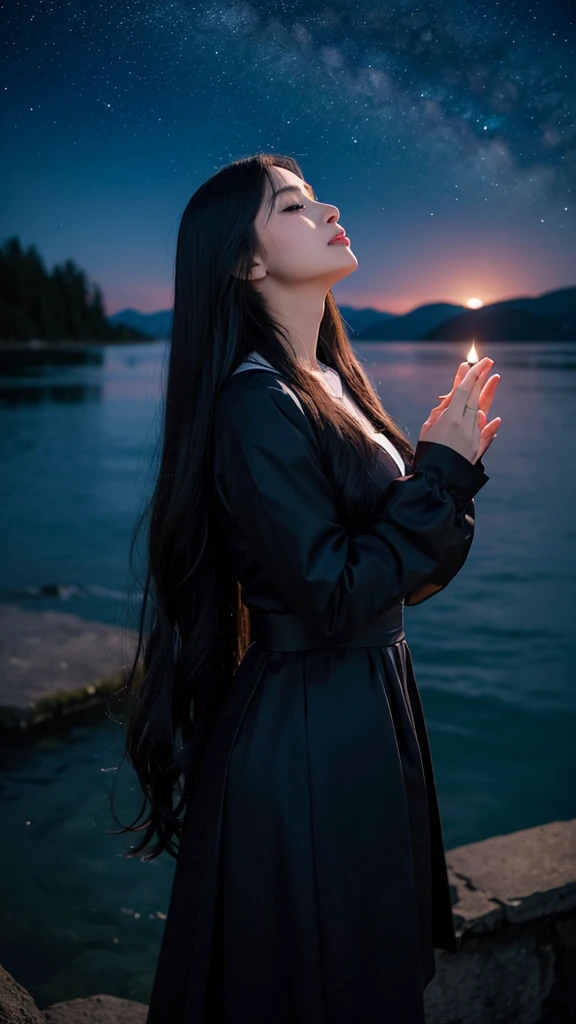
456, 553
269, 478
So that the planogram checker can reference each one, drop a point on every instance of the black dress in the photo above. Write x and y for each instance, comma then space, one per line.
311, 884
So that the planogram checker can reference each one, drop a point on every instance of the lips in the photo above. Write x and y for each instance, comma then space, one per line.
339, 234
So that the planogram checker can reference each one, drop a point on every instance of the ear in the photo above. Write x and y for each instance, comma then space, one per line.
256, 273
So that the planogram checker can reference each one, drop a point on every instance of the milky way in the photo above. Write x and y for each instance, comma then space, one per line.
490, 84
465, 102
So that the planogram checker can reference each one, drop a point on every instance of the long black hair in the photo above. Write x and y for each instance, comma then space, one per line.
194, 628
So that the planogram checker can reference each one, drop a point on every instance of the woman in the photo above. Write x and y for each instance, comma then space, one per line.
291, 522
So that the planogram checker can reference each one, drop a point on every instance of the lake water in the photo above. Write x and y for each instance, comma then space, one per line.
494, 653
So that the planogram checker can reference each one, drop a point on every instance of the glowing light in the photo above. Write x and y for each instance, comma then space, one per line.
474, 303
472, 356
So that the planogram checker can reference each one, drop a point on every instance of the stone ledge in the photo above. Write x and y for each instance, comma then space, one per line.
515, 919
54, 663
523, 876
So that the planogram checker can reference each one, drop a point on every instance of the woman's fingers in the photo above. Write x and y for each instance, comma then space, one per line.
486, 396
432, 418
467, 392
479, 383
488, 391
460, 374
487, 435
462, 371
434, 415
488, 430
446, 399
483, 391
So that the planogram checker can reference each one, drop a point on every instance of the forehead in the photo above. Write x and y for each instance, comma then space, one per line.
282, 176
283, 179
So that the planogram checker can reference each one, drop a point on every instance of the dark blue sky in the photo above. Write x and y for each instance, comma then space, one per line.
444, 132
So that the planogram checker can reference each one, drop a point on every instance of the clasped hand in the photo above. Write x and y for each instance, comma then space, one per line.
454, 424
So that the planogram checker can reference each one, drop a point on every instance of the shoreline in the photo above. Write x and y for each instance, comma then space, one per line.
39, 345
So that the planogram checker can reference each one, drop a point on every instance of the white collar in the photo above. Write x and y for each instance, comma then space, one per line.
334, 383
331, 377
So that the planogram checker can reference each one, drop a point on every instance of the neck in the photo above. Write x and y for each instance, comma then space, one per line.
300, 313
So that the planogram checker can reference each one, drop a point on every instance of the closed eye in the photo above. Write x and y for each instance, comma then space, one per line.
295, 206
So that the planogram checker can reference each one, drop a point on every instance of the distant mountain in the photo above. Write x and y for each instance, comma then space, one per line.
555, 304
360, 319
410, 326
157, 325
547, 317
494, 324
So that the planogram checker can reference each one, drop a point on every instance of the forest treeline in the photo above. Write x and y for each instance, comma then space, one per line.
57, 306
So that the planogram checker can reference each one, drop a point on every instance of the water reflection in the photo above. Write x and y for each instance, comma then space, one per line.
52, 394
21, 362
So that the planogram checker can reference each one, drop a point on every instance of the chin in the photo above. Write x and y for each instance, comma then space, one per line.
348, 256
352, 264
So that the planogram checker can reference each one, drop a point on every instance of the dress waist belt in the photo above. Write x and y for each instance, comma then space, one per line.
273, 631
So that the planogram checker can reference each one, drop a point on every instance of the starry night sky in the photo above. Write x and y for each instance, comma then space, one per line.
443, 131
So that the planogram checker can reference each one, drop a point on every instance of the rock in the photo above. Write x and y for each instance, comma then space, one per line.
16, 1004
51, 662
522, 876
490, 984
100, 1009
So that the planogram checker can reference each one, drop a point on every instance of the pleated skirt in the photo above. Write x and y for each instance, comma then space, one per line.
311, 884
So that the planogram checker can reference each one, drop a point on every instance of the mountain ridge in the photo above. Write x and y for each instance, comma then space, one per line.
547, 317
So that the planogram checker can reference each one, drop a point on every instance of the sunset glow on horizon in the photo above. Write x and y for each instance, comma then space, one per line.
157, 298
